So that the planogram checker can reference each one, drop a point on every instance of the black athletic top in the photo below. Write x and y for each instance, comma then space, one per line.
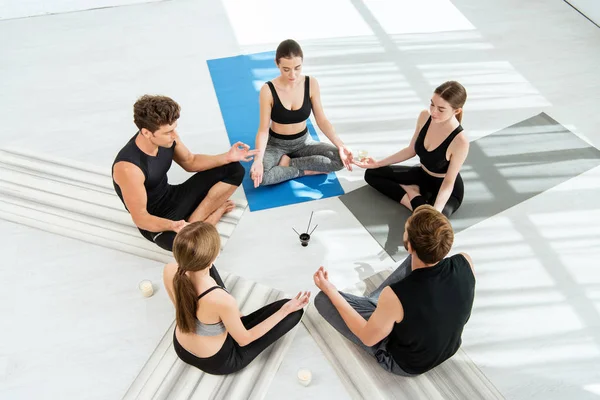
154, 168
282, 115
437, 304
435, 160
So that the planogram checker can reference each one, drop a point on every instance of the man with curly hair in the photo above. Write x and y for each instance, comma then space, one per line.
140, 169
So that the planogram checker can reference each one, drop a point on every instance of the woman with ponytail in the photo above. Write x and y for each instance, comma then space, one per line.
211, 334
442, 147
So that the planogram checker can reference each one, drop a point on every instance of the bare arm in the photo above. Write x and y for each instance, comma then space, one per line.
230, 315
265, 99
389, 310
196, 162
457, 159
409, 151
168, 274
131, 181
262, 136
326, 127
322, 122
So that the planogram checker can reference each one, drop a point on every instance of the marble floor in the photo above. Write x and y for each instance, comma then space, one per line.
75, 325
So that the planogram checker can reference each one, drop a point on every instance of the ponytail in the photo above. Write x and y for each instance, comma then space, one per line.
185, 302
459, 116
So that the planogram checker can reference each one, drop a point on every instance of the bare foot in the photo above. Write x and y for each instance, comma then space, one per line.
218, 213
313, 172
285, 161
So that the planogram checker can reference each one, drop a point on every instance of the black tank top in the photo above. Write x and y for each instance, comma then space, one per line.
154, 168
282, 115
435, 160
437, 304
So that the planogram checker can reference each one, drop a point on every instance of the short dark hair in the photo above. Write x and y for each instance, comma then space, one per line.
288, 49
152, 112
430, 234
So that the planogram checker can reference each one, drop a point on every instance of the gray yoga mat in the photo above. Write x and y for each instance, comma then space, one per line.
502, 170
457, 378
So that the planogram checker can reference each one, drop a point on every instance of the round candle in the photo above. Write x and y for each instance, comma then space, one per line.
304, 376
146, 288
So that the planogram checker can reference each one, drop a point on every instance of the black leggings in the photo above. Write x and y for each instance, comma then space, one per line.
232, 357
387, 180
181, 201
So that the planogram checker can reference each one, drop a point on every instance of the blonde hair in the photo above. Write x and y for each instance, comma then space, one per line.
195, 247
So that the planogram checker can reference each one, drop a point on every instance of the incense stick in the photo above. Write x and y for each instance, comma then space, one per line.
313, 229
309, 221
296, 232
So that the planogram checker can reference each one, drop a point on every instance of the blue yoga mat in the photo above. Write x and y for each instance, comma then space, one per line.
237, 81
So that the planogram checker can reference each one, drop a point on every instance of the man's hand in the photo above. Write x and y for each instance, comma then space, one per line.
321, 278
240, 152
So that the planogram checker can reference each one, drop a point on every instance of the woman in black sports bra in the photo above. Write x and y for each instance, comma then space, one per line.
442, 148
211, 333
286, 149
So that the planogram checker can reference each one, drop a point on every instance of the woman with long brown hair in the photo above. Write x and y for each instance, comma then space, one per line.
211, 334
442, 147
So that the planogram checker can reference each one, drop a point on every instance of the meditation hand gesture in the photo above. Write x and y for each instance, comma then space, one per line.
321, 278
256, 172
346, 157
296, 303
368, 163
240, 152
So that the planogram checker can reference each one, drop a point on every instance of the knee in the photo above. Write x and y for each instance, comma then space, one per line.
322, 302
371, 176
236, 173
450, 207
336, 161
295, 317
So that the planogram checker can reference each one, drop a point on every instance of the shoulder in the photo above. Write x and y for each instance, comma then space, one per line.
265, 92
422, 119
467, 258
127, 169
460, 142
389, 302
169, 270
313, 82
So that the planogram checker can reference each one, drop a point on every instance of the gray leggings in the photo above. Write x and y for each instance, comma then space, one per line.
365, 306
306, 155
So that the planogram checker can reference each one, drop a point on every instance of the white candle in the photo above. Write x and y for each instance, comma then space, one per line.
304, 376
146, 288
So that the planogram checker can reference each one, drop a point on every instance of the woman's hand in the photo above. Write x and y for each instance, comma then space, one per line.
368, 163
256, 172
346, 157
297, 303
321, 278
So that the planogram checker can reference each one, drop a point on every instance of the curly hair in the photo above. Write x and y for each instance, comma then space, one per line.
152, 112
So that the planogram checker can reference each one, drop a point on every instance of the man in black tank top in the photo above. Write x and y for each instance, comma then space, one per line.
414, 320
140, 169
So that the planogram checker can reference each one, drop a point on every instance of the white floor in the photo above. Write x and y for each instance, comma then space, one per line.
73, 320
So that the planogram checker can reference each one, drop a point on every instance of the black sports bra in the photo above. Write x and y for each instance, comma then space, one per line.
282, 115
435, 160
